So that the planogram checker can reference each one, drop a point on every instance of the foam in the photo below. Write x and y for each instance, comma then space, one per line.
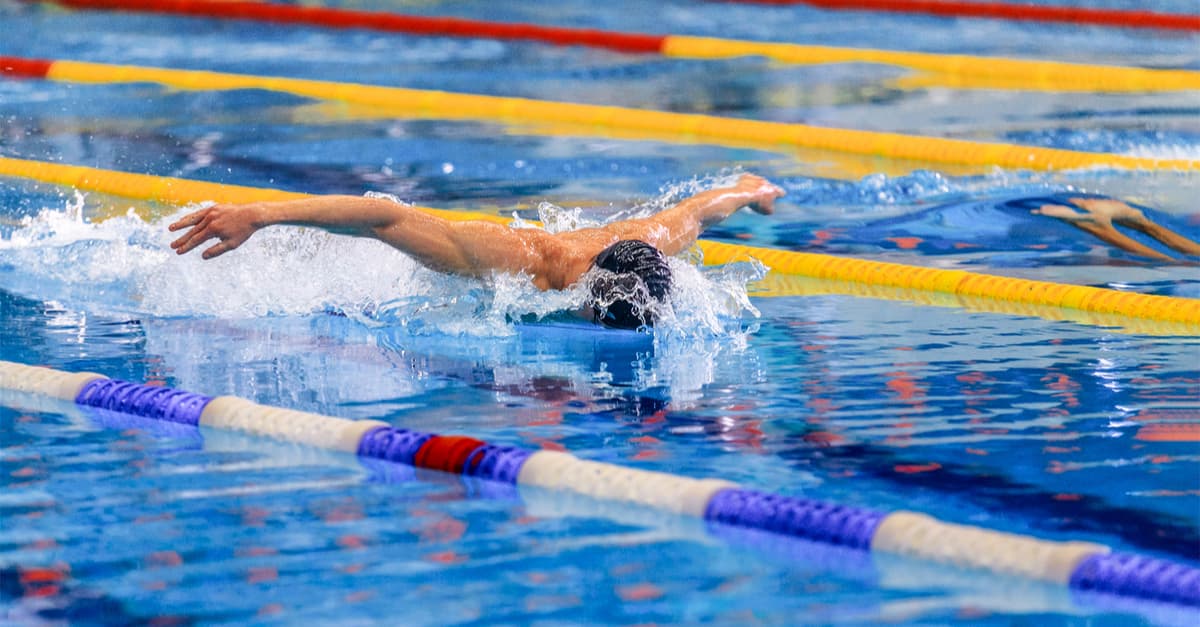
125, 264
1164, 151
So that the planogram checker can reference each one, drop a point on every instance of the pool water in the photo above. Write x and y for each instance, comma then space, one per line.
1053, 428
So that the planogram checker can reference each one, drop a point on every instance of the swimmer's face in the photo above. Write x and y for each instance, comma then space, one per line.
636, 275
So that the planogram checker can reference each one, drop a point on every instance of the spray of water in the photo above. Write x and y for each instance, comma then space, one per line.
125, 264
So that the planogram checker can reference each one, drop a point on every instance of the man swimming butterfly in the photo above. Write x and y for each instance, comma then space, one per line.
632, 252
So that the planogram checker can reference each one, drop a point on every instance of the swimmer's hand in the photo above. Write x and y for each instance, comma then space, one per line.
1097, 218
231, 224
1099, 215
760, 193
1101, 211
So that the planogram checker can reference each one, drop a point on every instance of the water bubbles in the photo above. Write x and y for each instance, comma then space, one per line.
557, 219
386, 196
1146, 143
921, 186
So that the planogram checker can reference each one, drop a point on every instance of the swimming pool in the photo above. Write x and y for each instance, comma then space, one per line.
1049, 427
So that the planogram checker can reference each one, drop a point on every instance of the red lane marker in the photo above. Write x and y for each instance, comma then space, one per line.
390, 22
1001, 10
447, 453
32, 68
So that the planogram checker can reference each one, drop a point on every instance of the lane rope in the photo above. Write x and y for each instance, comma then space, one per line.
1084, 566
904, 278
952, 70
964, 71
775, 136
777, 284
1120, 18
329, 17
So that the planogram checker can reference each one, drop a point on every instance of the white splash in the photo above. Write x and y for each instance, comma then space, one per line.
126, 264
1165, 151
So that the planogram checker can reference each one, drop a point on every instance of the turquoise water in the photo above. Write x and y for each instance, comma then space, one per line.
1047, 427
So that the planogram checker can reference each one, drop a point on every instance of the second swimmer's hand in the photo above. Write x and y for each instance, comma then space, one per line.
231, 224
760, 192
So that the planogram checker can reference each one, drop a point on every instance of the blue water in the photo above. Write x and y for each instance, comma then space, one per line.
1051, 427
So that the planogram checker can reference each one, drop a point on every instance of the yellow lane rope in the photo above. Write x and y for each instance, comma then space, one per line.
962, 283
899, 279
779, 284
963, 71
725, 131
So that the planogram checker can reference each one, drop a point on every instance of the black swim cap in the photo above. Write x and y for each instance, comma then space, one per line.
639, 273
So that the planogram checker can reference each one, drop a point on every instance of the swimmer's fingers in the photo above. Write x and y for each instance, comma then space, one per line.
196, 229
199, 222
193, 238
203, 233
191, 219
1062, 212
1109, 208
766, 207
232, 224
219, 249
767, 192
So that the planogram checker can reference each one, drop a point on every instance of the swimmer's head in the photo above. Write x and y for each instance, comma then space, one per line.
637, 274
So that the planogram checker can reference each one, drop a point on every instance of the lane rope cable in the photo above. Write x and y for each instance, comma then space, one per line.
1024, 12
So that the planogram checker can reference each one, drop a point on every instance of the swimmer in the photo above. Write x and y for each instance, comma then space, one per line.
633, 252
1045, 224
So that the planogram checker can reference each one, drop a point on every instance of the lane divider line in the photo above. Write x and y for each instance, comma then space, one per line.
1120, 18
952, 70
964, 71
330, 17
736, 132
904, 278
777, 284
1080, 565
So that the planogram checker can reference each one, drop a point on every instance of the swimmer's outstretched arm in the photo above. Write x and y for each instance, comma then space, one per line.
471, 248
674, 230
